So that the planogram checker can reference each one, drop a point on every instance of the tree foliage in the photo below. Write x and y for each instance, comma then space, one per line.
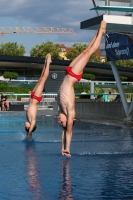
10, 75
122, 63
45, 48
89, 76
12, 49
5, 87
95, 58
123, 78
77, 48
79, 88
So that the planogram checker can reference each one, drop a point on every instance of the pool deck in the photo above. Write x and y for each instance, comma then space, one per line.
114, 122
106, 121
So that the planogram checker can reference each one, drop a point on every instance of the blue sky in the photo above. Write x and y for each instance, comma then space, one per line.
46, 13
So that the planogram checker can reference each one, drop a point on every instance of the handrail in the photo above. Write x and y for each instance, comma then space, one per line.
7, 93
49, 98
79, 94
24, 94
55, 94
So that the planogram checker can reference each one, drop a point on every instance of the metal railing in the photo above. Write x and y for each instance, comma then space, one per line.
104, 97
49, 98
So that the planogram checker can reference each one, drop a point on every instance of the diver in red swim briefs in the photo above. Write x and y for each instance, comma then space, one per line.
66, 95
36, 96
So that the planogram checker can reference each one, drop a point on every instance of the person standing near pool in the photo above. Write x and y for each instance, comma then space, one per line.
4, 102
36, 97
66, 95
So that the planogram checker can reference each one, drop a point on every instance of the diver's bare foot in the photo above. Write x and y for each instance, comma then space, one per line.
66, 153
103, 27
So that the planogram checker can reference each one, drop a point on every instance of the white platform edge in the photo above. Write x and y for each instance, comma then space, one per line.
116, 19
115, 23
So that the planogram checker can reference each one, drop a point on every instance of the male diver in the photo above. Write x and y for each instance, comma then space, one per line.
66, 95
36, 97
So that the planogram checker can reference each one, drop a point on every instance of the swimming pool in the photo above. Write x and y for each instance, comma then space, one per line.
101, 166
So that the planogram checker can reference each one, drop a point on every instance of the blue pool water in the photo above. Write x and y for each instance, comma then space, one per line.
101, 166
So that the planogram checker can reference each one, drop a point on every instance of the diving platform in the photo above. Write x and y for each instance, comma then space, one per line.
115, 23
113, 8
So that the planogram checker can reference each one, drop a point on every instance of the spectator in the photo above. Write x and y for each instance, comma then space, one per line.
4, 102
105, 97
117, 99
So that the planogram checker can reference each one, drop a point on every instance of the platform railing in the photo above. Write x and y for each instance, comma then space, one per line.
104, 97
49, 98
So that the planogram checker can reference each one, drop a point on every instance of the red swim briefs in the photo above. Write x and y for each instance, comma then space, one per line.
69, 72
33, 96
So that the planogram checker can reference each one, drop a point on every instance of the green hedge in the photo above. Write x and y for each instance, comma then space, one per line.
4, 87
84, 88
128, 90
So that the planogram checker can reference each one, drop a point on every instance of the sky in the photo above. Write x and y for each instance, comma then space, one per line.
46, 13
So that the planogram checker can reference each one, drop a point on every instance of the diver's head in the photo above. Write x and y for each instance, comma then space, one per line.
62, 120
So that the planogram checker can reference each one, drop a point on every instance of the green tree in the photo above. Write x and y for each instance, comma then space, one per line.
77, 48
123, 78
12, 49
10, 75
79, 88
89, 76
95, 58
44, 48
123, 63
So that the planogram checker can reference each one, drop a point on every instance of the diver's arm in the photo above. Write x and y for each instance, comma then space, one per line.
63, 140
68, 135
